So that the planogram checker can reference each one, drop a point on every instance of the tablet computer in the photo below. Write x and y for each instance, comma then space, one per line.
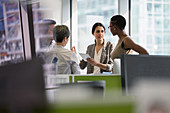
84, 56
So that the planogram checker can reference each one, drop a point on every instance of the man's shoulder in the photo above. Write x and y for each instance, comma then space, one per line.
68, 54
59, 49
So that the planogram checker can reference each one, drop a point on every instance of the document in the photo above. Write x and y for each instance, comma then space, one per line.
84, 56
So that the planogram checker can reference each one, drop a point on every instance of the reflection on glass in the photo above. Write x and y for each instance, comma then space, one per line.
43, 27
11, 49
150, 21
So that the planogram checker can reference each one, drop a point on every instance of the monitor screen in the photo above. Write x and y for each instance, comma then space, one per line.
135, 68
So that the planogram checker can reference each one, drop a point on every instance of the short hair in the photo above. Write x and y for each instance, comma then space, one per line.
60, 32
96, 25
118, 20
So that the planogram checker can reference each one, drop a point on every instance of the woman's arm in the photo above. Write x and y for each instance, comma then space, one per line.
129, 44
110, 61
94, 63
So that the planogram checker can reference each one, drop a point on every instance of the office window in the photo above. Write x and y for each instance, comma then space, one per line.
157, 7
149, 7
150, 21
11, 45
90, 12
158, 23
166, 9
166, 24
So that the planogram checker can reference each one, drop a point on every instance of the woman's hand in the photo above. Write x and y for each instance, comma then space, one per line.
74, 49
94, 63
91, 61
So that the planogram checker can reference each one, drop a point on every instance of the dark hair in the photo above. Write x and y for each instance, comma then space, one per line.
60, 32
118, 20
49, 21
96, 25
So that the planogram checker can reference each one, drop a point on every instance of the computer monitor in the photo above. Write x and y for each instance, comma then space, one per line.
22, 87
135, 68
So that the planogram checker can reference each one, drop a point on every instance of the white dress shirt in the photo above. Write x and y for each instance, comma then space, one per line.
67, 60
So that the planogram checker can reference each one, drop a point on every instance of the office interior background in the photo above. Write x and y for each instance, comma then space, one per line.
23, 34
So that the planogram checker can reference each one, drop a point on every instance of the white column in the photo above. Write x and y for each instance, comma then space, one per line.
26, 35
124, 11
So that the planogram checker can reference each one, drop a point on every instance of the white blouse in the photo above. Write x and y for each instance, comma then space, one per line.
97, 59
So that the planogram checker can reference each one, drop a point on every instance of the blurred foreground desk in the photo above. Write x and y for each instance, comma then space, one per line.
94, 107
112, 82
112, 103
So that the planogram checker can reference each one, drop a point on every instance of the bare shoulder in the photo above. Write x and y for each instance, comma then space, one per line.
128, 39
129, 43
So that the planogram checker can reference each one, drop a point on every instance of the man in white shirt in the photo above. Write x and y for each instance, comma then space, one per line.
65, 59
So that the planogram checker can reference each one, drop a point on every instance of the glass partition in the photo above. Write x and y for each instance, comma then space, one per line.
11, 46
43, 12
